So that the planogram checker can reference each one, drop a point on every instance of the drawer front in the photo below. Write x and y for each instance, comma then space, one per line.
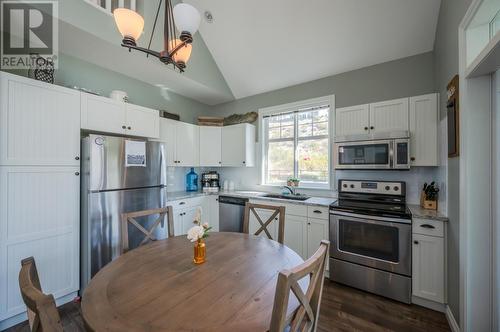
428, 227
186, 202
319, 212
290, 209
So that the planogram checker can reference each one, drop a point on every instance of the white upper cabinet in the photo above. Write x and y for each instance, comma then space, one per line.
389, 116
102, 114
238, 145
39, 123
424, 120
182, 142
142, 121
352, 120
110, 116
187, 144
168, 135
210, 146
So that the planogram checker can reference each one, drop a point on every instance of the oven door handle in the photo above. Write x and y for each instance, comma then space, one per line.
377, 218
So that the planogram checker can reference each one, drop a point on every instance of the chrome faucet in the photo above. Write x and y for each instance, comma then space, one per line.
291, 189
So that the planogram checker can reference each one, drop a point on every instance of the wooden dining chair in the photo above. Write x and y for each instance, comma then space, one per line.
277, 210
130, 217
41, 308
305, 318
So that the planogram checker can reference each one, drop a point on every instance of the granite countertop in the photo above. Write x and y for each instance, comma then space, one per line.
418, 212
312, 201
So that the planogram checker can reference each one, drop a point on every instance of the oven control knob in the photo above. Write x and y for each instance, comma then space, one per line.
352, 186
345, 185
396, 188
387, 188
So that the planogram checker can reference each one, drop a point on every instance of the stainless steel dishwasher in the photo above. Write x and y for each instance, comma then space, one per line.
231, 210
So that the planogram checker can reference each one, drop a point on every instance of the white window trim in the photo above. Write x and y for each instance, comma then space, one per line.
314, 102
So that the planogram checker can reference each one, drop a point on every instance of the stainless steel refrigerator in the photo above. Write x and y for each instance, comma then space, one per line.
118, 175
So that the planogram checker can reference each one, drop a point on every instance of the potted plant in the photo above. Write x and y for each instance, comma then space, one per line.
292, 182
429, 196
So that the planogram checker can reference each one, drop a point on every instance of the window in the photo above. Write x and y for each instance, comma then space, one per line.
296, 144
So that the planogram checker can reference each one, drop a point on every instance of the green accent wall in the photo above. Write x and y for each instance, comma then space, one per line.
75, 72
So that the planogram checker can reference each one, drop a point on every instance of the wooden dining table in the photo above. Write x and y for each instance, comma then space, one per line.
157, 287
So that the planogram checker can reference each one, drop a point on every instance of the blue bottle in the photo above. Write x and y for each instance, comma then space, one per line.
192, 181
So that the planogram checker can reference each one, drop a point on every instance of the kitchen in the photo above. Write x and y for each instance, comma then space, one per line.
371, 158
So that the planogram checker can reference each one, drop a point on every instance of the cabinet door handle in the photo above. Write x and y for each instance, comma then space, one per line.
412, 158
372, 127
317, 211
182, 203
244, 162
427, 226
77, 158
366, 128
77, 173
129, 128
416, 242
124, 127
309, 223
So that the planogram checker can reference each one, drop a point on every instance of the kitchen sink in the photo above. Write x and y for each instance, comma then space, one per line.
290, 197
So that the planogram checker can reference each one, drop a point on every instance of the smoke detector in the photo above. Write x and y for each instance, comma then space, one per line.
209, 17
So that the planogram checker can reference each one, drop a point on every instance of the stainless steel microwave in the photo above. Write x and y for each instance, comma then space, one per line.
380, 154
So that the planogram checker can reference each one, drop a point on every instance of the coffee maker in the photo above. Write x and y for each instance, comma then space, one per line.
210, 182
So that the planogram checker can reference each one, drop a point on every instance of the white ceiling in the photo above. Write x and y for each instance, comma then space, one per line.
264, 45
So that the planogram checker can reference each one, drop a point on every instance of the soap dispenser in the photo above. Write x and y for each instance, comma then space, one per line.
192, 181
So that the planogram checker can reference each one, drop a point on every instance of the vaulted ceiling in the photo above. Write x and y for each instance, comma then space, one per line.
264, 45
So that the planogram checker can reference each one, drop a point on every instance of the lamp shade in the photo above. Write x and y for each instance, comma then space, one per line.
129, 23
183, 54
186, 17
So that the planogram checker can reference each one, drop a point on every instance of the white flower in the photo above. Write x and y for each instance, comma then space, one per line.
195, 233
205, 225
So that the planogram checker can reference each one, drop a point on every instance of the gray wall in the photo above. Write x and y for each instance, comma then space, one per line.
400, 78
75, 72
446, 66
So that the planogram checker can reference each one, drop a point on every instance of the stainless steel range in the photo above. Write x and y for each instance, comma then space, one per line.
370, 230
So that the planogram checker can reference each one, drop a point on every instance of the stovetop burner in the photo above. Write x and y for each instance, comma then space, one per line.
372, 198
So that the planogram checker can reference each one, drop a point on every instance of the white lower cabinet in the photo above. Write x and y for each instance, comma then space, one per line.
185, 211
303, 234
213, 207
295, 228
429, 260
317, 230
39, 217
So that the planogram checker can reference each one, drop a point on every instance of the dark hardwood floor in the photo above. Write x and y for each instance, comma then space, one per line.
342, 309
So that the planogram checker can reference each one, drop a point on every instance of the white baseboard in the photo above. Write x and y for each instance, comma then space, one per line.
451, 320
441, 307
19, 318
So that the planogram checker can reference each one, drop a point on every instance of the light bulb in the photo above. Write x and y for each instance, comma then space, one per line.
183, 54
187, 18
129, 23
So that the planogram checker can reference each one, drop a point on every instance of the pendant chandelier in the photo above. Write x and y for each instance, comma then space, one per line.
176, 51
